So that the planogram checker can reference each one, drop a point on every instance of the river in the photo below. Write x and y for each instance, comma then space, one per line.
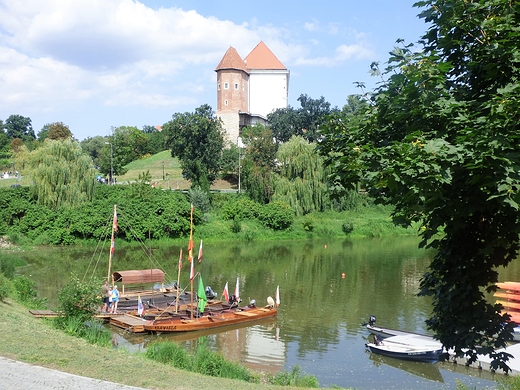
327, 289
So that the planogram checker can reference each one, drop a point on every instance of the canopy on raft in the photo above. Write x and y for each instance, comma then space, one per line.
139, 276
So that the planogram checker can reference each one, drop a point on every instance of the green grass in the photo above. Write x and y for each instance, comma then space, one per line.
172, 172
35, 341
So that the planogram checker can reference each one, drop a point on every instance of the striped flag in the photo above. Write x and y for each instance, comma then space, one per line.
192, 274
180, 260
112, 245
114, 223
277, 296
225, 293
200, 251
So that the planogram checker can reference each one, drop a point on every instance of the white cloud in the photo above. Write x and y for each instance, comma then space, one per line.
343, 53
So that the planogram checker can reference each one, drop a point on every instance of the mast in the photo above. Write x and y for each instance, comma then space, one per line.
178, 283
190, 257
114, 227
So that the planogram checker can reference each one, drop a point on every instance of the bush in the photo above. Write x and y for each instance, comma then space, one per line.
169, 353
276, 215
347, 227
26, 292
199, 198
79, 299
294, 378
240, 207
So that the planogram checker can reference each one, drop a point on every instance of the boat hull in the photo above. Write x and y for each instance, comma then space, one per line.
427, 356
213, 320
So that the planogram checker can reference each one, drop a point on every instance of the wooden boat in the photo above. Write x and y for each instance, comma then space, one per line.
211, 319
407, 348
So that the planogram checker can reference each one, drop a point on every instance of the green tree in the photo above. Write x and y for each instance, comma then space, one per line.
93, 146
18, 126
442, 144
304, 121
197, 140
62, 175
258, 162
43, 133
300, 182
284, 123
59, 131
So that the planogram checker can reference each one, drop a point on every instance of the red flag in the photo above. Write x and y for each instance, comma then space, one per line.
190, 249
225, 293
200, 251
192, 275
114, 224
180, 260
112, 246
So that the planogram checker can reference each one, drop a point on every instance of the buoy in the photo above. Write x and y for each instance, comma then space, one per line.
343, 275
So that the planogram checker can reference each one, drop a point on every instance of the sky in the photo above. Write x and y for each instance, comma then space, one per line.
99, 64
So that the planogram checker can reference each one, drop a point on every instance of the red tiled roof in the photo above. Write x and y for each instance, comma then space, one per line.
232, 60
263, 58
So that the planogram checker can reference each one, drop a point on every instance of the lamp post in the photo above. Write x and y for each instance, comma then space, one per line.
239, 145
111, 163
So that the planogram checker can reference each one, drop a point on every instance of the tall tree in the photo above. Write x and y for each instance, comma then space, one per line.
442, 143
18, 126
304, 121
197, 140
93, 146
259, 162
62, 175
300, 181
59, 131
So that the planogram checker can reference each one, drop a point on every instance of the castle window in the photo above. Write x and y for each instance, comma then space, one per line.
225, 102
226, 85
236, 86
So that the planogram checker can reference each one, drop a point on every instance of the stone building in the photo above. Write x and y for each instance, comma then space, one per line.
249, 89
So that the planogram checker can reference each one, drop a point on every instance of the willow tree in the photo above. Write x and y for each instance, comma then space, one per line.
61, 174
301, 179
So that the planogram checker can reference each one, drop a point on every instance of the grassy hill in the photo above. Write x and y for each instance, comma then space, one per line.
166, 173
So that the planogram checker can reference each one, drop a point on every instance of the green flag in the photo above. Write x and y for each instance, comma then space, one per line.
202, 296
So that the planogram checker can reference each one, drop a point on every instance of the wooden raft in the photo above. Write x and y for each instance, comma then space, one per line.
130, 323
44, 313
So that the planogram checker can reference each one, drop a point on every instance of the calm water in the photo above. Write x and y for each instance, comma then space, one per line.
319, 320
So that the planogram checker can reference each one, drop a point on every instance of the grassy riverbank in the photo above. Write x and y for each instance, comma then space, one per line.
34, 341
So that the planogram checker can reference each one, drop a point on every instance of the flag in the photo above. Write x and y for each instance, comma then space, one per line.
180, 260
225, 293
112, 246
140, 307
237, 291
192, 275
114, 224
190, 250
277, 296
200, 251
202, 296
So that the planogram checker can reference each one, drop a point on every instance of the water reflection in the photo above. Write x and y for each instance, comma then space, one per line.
319, 321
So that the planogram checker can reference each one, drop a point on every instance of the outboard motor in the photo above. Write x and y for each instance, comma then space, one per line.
232, 299
252, 303
372, 320
210, 294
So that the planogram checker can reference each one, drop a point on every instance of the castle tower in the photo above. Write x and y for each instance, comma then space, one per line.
232, 91
268, 81
248, 90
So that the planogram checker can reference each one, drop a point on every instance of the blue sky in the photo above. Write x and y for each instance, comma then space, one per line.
94, 64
